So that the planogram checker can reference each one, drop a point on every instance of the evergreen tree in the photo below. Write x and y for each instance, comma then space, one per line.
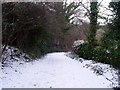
111, 40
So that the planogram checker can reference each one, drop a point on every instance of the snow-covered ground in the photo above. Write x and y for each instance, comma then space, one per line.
0, 77
58, 70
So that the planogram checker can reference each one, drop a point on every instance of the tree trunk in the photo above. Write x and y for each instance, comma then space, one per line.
93, 22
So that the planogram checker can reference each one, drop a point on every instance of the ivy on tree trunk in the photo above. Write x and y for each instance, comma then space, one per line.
93, 23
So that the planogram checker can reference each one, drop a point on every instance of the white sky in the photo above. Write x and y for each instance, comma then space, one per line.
102, 10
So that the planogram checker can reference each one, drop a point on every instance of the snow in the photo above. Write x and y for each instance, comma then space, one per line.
0, 77
57, 70
78, 43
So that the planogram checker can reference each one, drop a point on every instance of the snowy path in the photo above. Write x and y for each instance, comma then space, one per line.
55, 70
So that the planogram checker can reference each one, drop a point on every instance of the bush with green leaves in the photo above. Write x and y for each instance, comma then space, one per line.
84, 50
108, 55
113, 50
98, 54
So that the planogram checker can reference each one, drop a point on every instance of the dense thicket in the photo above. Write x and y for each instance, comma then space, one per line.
34, 28
23, 25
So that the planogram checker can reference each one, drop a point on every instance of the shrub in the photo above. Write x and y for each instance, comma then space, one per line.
84, 50
108, 55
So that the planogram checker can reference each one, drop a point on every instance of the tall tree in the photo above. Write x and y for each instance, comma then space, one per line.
93, 22
115, 30
111, 40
